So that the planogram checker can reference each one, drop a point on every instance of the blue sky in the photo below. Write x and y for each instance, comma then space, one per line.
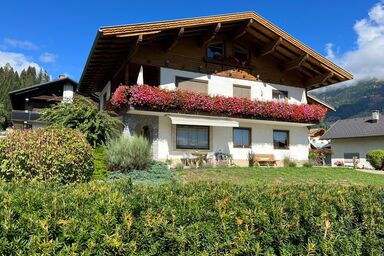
57, 35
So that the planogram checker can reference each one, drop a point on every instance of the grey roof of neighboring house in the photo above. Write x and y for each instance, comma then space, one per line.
355, 128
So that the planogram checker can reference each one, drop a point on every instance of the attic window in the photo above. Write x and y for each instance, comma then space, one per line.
241, 54
215, 51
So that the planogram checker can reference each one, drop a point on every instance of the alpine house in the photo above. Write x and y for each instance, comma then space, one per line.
219, 85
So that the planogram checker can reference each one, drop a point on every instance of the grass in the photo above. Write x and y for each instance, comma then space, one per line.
277, 176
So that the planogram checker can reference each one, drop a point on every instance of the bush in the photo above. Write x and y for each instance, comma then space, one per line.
61, 155
308, 164
116, 218
179, 167
156, 173
376, 159
99, 163
251, 159
126, 154
83, 115
288, 163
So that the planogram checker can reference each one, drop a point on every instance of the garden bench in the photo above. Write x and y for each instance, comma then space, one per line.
264, 159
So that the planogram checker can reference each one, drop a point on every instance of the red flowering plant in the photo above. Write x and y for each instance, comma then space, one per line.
182, 101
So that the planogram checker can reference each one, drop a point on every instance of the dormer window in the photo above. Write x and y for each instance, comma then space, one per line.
241, 54
215, 51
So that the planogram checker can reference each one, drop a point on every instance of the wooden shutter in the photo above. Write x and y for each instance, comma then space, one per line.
242, 91
192, 85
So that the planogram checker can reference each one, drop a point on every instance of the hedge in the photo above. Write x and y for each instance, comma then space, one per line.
53, 154
376, 158
116, 218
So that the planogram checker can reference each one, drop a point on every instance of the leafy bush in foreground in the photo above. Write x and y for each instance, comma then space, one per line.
376, 159
99, 163
59, 154
116, 218
129, 153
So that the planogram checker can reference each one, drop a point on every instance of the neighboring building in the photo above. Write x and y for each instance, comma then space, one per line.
315, 140
28, 102
240, 55
354, 138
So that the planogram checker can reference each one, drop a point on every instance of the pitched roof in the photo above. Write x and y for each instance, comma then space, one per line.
355, 128
50, 83
112, 43
16, 94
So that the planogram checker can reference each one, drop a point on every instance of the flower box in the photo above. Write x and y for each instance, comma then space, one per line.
182, 101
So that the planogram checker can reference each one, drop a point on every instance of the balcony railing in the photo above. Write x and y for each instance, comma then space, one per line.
24, 115
180, 101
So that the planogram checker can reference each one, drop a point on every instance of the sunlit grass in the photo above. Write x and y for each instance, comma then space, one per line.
276, 176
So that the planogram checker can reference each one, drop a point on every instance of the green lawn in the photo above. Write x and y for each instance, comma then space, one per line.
276, 176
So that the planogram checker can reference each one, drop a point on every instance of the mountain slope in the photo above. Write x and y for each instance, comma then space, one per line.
354, 101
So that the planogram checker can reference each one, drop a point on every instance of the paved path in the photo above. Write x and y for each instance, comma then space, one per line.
371, 171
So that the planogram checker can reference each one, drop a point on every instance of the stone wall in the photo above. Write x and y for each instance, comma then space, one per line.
134, 125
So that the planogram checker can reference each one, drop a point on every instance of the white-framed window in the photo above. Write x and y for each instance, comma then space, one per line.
192, 137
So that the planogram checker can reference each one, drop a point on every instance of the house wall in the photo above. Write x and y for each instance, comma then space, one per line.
104, 94
355, 145
221, 139
218, 85
68, 93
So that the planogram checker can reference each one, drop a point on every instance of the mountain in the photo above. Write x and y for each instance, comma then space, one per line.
356, 100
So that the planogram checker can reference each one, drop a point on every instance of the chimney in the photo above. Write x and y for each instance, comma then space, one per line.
375, 116
62, 76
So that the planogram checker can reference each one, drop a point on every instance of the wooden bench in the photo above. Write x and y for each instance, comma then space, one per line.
264, 159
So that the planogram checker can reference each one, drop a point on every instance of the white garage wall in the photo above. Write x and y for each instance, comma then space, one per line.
218, 85
355, 145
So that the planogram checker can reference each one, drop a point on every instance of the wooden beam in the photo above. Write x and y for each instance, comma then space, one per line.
295, 63
175, 40
211, 35
131, 52
242, 30
318, 80
271, 47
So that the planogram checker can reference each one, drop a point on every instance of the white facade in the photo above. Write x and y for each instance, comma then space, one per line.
220, 136
355, 145
221, 139
218, 85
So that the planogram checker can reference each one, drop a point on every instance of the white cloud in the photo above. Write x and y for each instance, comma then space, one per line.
366, 61
17, 60
25, 45
48, 57
329, 51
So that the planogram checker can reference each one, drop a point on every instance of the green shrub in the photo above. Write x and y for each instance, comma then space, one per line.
156, 173
129, 153
288, 163
83, 115
59, 154
308, 164
251, 159
116, 218
376, 159
99, 163
179, 167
